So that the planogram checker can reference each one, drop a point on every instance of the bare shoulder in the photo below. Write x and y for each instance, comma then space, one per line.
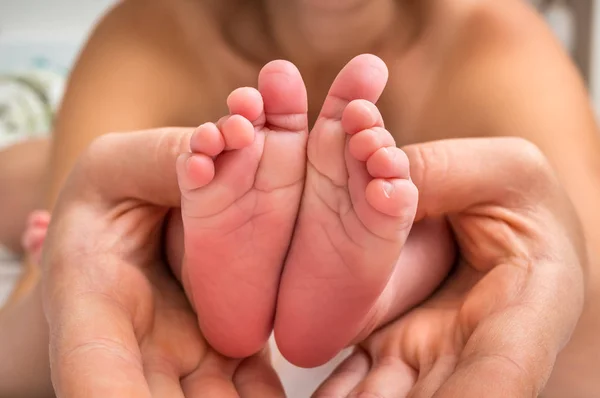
158, 24
508, 63
137, 63
510, 31
160, 28
509, 21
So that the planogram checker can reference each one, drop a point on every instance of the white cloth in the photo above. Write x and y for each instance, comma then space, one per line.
27, 105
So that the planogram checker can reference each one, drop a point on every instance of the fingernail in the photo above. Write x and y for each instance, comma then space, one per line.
388, 188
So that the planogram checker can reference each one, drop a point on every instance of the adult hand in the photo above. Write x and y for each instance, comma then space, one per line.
120, 325
495, 327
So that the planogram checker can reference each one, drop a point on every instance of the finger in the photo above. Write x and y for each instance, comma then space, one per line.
389, 377
138, 165
256, 378
212, 379
491, 377
346, 376
453, 175
430, 380
511, 341
94, 352
506, 356
164, 385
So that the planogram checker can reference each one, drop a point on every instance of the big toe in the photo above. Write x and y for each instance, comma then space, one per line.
364, 77
283, 163
284, 96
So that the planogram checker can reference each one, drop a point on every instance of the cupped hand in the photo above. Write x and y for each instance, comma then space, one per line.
120, 324
496, 325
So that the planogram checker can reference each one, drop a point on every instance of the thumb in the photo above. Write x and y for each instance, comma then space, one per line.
138, 165
453, 175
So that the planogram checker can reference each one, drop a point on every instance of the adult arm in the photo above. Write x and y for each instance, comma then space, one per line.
518, 81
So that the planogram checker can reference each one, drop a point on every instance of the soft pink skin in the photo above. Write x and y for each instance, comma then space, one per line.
239, 209
351, 231
241, 189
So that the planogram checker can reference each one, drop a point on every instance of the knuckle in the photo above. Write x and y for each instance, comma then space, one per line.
428, 163
90, 163
86, 175
530, 158
530, 171
100, 146
171, 143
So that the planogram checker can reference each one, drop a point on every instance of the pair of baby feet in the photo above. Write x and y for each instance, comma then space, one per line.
295, 232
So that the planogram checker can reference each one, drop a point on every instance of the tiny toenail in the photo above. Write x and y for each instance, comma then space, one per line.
388, 188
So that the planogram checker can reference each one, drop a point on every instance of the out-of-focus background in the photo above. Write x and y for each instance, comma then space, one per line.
39, 41
48, 33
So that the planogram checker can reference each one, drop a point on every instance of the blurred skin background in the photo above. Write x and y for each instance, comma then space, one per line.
39, 41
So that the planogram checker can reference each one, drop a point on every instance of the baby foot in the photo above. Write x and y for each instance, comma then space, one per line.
241, 186
35, 234
357, 209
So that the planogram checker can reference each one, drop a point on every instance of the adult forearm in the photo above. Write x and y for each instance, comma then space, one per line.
24, 368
